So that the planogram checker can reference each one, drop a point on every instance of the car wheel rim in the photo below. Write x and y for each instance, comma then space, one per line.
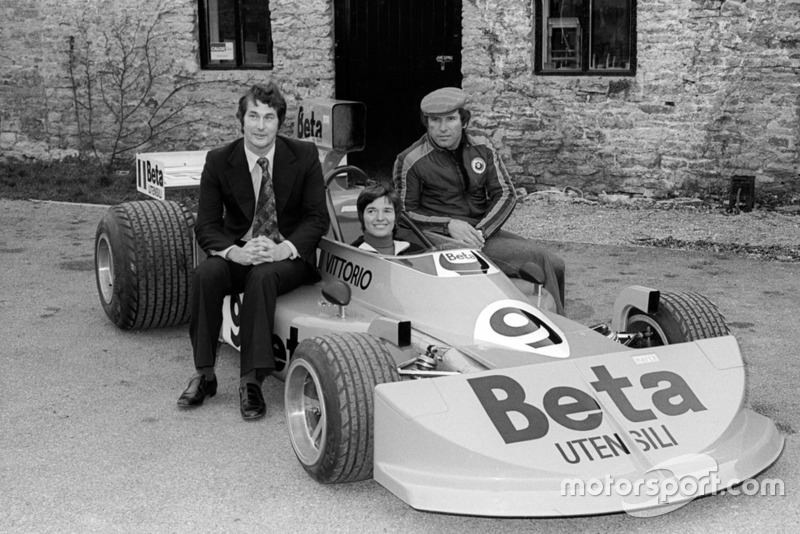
105, 268
643, 323
305, 412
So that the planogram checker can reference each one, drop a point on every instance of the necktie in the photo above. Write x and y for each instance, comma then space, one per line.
266, 220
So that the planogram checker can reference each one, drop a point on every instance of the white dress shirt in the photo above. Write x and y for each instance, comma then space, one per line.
255, 176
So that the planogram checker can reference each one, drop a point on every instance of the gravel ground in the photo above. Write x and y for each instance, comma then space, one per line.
92, 441
769, 235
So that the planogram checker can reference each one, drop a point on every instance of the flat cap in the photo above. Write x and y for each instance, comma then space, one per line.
444, 100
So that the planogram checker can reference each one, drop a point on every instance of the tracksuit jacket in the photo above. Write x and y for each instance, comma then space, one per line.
435, 187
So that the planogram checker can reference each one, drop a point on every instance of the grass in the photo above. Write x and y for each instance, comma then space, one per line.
69, 180
87, 181
74, 180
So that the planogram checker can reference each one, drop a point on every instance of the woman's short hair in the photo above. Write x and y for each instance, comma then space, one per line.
370, 194
268, 94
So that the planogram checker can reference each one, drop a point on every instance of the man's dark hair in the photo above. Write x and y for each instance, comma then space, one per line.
268, 94
462, 112
373, 192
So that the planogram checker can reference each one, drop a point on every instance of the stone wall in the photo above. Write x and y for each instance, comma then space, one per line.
39, 118
716, 93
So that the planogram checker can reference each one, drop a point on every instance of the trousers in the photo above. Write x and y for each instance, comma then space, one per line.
510, 251
216, 277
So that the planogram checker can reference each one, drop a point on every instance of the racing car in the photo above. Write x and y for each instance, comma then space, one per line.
439, 377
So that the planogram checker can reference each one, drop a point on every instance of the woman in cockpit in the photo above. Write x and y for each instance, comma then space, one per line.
378, 207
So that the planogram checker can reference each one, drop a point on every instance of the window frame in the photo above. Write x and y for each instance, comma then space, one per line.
238, 49
585, 39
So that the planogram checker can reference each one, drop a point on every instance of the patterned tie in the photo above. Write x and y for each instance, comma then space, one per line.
266, 220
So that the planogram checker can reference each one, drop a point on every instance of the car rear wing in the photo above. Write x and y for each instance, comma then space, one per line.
159, 172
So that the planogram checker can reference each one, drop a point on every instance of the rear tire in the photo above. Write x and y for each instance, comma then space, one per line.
329, 403
681, 317
144, 263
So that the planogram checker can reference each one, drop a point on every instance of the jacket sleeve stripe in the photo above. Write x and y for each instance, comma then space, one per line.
502, 208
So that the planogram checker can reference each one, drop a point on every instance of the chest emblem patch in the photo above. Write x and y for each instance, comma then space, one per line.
478, 165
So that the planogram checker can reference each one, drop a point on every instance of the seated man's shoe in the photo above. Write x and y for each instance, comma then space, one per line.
199, 388
252, 401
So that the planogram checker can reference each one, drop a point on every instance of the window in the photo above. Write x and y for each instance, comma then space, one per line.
595, 37
235, 34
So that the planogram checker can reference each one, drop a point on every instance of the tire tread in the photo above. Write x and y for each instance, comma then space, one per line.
696, 315
359, 362
154, 263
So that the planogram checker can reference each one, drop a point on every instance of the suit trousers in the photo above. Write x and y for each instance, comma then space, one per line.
510, 251
261, 284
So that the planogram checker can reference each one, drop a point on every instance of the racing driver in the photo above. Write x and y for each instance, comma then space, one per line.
452, 181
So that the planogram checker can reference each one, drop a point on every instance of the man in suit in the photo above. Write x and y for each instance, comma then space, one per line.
261, 214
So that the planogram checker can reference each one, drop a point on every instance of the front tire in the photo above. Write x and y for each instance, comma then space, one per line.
681, 317
144, 263
329, 403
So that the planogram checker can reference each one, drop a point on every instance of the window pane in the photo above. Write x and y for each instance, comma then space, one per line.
256, 32
562, 34
221, 32
610, 38
566, 8
586, 36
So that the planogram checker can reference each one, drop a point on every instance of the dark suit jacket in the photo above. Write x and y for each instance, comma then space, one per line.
227, 202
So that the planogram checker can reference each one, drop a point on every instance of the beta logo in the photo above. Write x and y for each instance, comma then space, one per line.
149, 173
461, 262
575, 409
308, 126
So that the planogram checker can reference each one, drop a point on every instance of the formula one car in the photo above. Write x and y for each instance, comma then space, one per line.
438, 376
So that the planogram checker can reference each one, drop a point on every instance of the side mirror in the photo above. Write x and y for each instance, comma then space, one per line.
337, 293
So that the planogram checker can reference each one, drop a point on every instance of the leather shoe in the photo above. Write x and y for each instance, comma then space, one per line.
199, 388
252, 401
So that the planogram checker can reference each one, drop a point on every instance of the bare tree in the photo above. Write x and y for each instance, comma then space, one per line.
127, 89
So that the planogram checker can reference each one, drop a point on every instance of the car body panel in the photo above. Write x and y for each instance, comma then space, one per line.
439, 447
542, 400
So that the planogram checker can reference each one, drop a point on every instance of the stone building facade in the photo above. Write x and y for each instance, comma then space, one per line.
716, 92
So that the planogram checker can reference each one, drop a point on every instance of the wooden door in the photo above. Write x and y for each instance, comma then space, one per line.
389, 54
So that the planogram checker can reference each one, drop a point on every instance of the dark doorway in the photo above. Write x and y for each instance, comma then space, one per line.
389, 54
